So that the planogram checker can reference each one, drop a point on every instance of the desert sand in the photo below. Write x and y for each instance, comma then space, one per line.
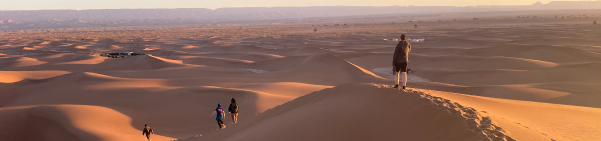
492, 78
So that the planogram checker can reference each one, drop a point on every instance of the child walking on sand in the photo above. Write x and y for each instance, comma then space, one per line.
233, 109
220, 116
147, 131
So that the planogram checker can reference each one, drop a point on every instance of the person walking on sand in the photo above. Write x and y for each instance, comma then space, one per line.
400, 60
233, 109
147, 130
220, 115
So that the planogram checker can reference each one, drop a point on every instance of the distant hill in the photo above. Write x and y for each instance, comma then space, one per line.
48, 19
262, 13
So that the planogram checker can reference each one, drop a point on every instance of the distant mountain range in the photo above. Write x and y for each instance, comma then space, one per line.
234, 14
107, 17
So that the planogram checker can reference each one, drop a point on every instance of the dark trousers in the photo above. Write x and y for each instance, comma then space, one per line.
401, 67
220, 122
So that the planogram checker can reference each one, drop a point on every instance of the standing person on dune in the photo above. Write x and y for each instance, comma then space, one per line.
220, 115
147, 130
233, 109
400, 61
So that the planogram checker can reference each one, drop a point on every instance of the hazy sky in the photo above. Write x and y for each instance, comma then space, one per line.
213, 4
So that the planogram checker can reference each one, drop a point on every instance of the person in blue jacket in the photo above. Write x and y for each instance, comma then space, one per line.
220, 115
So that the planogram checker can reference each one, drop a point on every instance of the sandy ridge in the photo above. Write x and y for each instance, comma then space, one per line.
427, 111
475, 120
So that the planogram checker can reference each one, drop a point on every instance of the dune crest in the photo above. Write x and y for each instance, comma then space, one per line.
365, 109
521, 75
15, 76
167, 60
26, 61
189, 47
68, 122
91, 61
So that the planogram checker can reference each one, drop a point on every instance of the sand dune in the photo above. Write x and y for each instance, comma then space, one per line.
453, 62
59, 55
62, 58
586, 72
93, 60
160, 52
460, 42
244, 48
306, 51
553, 54
68, 122
323, 66
278, 63
250, 56
494, 78
97, 89
545, 53
189, 47
179, 72
86, 63
87, 76
416, 115
116, 47
15, 76
287, 88
26, 61
213, 61
28, 48
478, 63
167, 60
534, 116
567, 93
139, 63
150, 49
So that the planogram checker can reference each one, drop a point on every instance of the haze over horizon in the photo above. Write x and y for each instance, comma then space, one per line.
152, 4
333, 70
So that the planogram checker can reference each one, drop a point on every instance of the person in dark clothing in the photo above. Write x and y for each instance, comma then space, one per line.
147, 130
233, 109
220, 115
400, 61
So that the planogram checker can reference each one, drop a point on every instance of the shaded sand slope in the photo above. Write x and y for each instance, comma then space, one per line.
73, 58
176, 110
15, 76
568, 93
559, 122
67, 123
553, 54
580, 72
366, 112
225, 60
19, 61
250, 56
452, 62
212, 61
89, 60
287, 88
143, 62
279, 63
336, 70
240, 58
179, 72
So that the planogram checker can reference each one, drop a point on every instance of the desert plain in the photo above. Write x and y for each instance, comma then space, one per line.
533, 76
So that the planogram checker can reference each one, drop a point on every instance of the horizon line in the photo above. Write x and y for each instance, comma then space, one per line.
286, 7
